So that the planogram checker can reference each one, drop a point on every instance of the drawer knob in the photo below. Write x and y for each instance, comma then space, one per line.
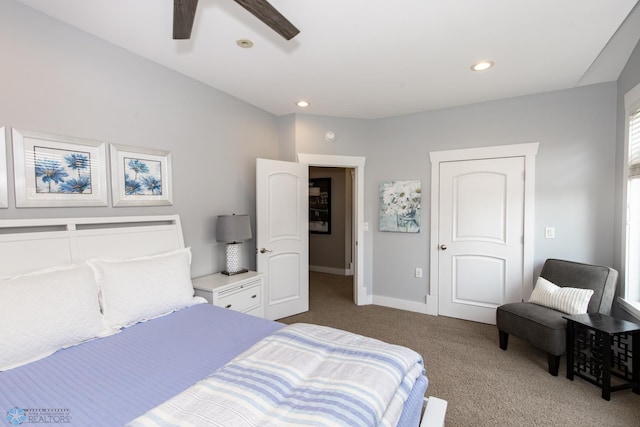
254, 296
228, 306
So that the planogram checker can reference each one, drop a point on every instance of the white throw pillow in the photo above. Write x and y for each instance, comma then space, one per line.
140, 289
47, 310
567, 300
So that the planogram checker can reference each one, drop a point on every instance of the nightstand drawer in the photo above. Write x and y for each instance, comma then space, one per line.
239, 292
241, 298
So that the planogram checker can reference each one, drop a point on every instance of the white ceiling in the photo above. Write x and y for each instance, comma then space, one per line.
374, 58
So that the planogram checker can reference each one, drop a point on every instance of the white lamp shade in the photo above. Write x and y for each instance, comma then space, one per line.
233, 228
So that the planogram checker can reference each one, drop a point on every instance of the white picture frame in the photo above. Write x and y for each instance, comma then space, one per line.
140, 176
58, 171
4, 185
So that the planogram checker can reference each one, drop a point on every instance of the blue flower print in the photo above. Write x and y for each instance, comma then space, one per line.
154, 185
77, 162
79, 185
50, 171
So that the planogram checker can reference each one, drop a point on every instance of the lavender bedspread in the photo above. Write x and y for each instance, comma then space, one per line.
110, 381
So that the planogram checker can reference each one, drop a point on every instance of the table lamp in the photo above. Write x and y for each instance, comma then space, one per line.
233, 229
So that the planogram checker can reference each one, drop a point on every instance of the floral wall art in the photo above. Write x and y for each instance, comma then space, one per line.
140, 176
400, 206
53, 170
64, 171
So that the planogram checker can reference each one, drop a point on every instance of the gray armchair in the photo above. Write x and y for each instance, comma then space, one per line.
544, 327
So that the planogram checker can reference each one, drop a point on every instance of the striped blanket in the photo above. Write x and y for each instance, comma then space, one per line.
300, 375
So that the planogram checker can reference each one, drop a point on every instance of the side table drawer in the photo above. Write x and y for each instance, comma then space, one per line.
241, 298
239, 292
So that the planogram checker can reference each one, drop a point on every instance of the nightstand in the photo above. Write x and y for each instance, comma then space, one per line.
240, 292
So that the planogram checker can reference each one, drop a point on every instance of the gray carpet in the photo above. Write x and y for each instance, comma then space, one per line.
484, 385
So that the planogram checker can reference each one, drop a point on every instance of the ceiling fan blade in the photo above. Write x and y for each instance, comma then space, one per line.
184, 12
268, 14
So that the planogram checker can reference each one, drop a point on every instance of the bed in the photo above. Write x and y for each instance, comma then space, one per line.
142, 351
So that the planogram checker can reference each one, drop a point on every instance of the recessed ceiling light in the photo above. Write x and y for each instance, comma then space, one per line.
245, 43
482, 65
303, 104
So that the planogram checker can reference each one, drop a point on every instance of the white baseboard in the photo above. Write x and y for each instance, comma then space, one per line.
401, 304
330, 270
431, 306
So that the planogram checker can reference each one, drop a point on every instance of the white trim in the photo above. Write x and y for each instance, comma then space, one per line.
4, 183
357, 163
631, 307
401, 304
329, 270
432, 304
434, 412
529, 151
631, 103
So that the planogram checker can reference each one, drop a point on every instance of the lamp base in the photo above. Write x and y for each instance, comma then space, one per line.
231, 273
234, 260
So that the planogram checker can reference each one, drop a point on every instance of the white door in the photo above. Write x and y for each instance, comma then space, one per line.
481, 234
282, 236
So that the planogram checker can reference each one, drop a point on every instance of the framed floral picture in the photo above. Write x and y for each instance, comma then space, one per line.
400, 206
58, 171
140, 176
4, 190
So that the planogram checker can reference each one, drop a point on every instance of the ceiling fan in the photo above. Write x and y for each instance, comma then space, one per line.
184, 12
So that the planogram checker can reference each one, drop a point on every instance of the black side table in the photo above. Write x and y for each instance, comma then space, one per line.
599, 347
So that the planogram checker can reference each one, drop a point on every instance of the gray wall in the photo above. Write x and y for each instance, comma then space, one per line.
59, 80
576, 130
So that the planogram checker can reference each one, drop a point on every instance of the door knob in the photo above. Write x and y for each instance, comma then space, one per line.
443, 247
264, 251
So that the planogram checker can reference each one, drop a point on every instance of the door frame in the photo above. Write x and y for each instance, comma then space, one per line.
356, 163
526, 150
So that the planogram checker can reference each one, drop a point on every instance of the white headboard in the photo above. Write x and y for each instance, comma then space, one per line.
32, 244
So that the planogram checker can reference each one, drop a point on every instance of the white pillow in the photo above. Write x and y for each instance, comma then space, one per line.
140, 289
567, 300
47, 310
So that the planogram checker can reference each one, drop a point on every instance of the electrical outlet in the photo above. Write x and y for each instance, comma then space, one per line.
365, 226
418, 272
550, 233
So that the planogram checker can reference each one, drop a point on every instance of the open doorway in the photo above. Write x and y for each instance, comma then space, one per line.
360, 294
331, 232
